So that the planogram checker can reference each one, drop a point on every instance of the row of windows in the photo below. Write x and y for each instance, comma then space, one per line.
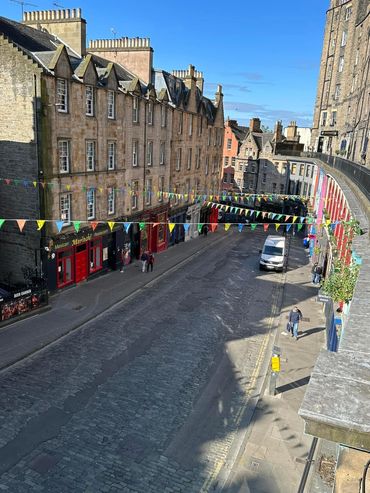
62, 103
333, 118
66, 200
215, 161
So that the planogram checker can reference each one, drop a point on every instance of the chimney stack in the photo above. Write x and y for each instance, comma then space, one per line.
255, 125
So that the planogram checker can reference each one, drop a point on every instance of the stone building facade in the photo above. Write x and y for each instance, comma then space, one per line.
98, 144
342, 108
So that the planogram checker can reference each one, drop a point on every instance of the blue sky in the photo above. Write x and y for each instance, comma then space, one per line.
265, 54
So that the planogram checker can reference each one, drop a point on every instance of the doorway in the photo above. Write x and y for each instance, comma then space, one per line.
81, 260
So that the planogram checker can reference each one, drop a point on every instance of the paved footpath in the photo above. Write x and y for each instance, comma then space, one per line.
275, 448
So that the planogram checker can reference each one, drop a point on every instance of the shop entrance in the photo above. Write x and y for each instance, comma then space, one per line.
81, 262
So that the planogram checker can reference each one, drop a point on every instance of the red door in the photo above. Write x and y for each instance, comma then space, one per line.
81, 262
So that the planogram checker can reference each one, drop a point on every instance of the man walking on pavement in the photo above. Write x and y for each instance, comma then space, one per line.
295, 316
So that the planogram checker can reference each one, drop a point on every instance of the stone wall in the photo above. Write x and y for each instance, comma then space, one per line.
19, 98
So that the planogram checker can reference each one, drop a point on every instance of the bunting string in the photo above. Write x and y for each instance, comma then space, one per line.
170, 194
40, 223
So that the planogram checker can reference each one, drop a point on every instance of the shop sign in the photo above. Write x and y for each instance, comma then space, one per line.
329, 133
83, 239
323, 298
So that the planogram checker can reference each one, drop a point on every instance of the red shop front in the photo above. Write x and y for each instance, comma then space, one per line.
76, 262
154, 235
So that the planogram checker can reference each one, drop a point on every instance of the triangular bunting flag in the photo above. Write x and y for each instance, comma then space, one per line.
299, 227
186, 227
141, 226
2, 222
287, 227
111, 225
155, 224
34, 183
264, 214
7, 181
294, 219
227, 226
266, 226
171, 226
302, 219
253, 226
40, 224
287, 218
213, 227
94, 224
277, 226
68, 187
59, 225
76, 225
126, 226
257, 213
200, 226
21, 223
240, 227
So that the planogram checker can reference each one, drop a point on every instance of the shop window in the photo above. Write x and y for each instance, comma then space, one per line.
95, 257
65, 267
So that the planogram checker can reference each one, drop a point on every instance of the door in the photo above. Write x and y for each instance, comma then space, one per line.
81, 260
65, 267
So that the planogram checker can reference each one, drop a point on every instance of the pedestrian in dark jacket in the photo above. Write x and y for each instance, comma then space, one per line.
316, 273
144, 260
295, 316
150, 263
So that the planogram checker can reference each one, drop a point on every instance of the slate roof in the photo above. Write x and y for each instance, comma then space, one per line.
239, 131
261, 138
41, 47
179, 93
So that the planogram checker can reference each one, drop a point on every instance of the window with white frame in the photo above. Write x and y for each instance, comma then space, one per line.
324, 116
91, 204
89, 94
163, 115
348, 13
341, 64
178, 159
111, 105
207, 166
240, 167
64, 156
62, 95
190, 155
197, 158
111, 201
134, 194
65, 208
90, 155
344, 38
229, 142
150, 113
135, 109
181, 121
160, 188
190, 125
226, 161
162, 153
233, 161
135, 153
111, 155
333, 120
148, 191
149, 153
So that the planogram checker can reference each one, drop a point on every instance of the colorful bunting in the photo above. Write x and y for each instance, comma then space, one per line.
227, 226
1, 222
94, 224
240, 227
111, 225
40, 224
171, 226
126, 226
186, 227
59, 225
76, 225
266, 226
277, 226
200, 226
141, 226
21, 223
253, 226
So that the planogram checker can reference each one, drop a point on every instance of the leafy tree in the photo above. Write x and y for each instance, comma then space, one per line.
340, 284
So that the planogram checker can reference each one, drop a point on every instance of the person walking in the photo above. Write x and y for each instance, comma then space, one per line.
316, 273
205, 230
150, 263
121, 254
313, 271
144, 260
295, 316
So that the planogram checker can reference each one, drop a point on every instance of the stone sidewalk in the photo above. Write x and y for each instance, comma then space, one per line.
275, 448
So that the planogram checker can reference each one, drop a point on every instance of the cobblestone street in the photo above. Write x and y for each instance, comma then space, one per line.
148, 396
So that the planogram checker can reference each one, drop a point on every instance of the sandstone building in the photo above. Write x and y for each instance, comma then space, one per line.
342, 108
97, 139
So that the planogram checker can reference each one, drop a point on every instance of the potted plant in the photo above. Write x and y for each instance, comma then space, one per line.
340, 284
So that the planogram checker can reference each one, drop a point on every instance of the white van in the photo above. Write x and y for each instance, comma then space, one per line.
273, 253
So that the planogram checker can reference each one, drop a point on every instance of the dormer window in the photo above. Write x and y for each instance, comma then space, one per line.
62, 96
89, 100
